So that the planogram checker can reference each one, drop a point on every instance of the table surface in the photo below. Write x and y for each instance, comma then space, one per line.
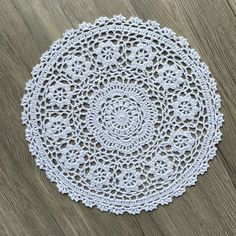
29, 203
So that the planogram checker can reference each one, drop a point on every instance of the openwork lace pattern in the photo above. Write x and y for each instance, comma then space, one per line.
122, 114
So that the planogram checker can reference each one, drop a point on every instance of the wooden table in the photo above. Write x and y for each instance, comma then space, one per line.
29, 203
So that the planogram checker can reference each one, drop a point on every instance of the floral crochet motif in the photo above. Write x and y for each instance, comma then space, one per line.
99, 176
122, 114
141, 56
57, 128
129, 180
72, 157
107, 53
170, 77
60, 95
161, 168
182, 141
185, 107
78, 68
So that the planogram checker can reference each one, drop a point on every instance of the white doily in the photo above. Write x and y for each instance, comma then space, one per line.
122, 114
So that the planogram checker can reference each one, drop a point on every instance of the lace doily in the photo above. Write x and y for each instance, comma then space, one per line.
122, 114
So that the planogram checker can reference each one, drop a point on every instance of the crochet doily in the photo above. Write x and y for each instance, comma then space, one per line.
122, 114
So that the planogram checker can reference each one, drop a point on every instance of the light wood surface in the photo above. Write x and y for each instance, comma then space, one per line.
29, 203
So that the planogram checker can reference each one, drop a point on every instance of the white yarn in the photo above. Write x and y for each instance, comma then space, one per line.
122, 114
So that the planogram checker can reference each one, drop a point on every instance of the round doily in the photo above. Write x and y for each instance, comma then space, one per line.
122, 114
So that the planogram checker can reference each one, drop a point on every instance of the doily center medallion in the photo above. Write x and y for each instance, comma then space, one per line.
122, 114
121, 117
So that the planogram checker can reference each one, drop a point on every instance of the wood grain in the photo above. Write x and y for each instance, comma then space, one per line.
29, 203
